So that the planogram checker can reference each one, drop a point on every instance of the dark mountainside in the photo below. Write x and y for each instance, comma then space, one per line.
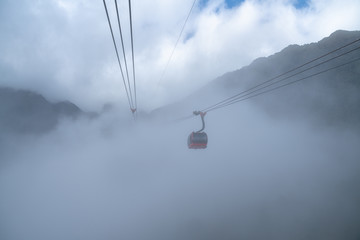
333, 98
329, 99
260, 178
25, 112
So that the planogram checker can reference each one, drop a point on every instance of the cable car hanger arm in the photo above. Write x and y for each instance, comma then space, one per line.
202, 115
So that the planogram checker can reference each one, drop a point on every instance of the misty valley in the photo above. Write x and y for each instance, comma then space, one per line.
281, 165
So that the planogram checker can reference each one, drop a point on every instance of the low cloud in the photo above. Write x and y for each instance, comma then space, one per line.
111, 178
63, 49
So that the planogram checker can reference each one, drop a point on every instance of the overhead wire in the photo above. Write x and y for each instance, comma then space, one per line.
284, 85
123, 50
249, 92
244, 95
255, 90
177, 41
225, 101
132, 54
117, 54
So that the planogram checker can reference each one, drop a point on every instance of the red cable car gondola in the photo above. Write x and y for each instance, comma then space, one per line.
199, 139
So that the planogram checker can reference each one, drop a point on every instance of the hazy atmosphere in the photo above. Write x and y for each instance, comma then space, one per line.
76, 164
63, 50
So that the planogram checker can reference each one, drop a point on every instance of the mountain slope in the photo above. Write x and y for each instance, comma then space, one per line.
25, 112
331, 98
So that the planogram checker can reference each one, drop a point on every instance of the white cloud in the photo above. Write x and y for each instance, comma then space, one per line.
63, 48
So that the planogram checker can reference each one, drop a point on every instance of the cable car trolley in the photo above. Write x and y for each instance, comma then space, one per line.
199, 139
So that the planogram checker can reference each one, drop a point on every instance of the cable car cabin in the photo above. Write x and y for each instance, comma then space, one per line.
197, 140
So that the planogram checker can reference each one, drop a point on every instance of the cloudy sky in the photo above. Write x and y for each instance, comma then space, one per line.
63, 48
261, 177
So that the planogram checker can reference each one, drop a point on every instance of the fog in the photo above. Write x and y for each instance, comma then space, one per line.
264, 175
115, 178
62, 49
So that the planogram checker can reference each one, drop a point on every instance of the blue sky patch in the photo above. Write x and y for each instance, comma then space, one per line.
188, 36
229, 3
202, 3
233, 3
299, 4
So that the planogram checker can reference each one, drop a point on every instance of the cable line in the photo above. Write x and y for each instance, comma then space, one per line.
283, 79
132, 51
286, 84
177, 41
123, 49
254, 88
117, 54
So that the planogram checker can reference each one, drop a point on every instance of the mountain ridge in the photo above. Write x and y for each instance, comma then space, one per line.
26, 112
331, 98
